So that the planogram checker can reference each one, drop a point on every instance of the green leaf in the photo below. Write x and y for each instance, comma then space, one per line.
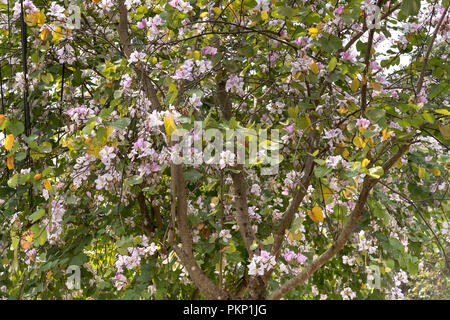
286, 11
121, 123
332, 64
268, 241
410, 7
192, 175
376, 172
428, 117
13, 181
43, 237
16, 127
320, 172
247, 51
375, 114
134, 180
36, 215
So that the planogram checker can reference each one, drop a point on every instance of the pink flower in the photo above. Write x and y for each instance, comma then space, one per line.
142, 24
301, 258
290, 128
363, 123
347, 56
289, 256
374, 65
339, 10
209, 50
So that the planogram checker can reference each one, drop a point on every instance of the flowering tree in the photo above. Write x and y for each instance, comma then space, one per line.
93, 92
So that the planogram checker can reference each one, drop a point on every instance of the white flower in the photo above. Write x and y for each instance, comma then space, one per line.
226, 158
348, 294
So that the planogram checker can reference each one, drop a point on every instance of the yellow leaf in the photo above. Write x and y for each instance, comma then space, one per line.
436, 172
293, 236
355, 84
26, 240
358, 142
37, 177
32, 19
313, 31
170, 126
342, 109
327, 192
316, 214
50, 273
365, 162
2, 119
9, 141
41, 19
376, 86
203, 14
345, 154
196, 55
386, 134
10, 162
297, 75
264, 15
44, 34
47, 184
314, 68
57, 34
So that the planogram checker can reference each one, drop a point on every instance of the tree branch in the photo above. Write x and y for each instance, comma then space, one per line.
309, 270
125, 42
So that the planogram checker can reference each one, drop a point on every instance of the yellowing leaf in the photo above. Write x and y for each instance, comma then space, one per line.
41, 19
9, 141
293, 236
57, 34
37, 177
355, 84
314, 68
376, 86
44, 34
169, 125
27, 239
2, 119
316, 214
365, 162
345, 154
32, 18
358, 142
47, 184
436, 172
264, 15
203, 14
327, 192
422, 172
10, 162
386, 134
109, 131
